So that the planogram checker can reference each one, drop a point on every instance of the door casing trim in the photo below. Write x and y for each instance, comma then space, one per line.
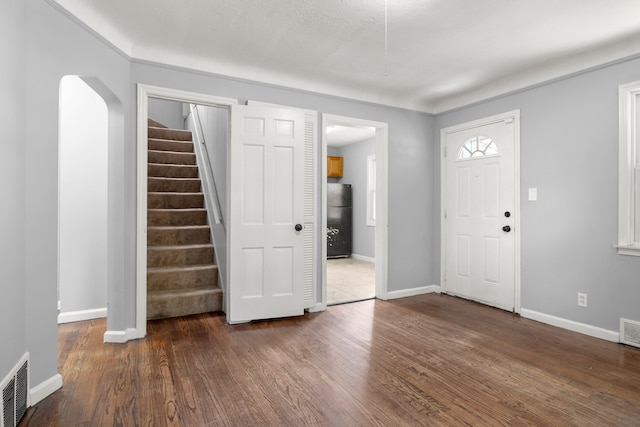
144, 92
382, 197
509, 115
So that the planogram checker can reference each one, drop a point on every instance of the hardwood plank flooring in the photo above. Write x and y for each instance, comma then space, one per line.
425, 360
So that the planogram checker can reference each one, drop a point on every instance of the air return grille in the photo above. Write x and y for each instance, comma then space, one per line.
15, 389
8, 404
630, 332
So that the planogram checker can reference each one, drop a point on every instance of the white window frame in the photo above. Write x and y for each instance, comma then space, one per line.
629, 170
371, 190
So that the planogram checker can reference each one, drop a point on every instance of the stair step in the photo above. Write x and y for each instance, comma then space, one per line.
176, 217
164, 133
183, 302
179, 255
175, 200
172, 171
167, 278
170, 145
153, 123
163, 236
171, 157
173, 185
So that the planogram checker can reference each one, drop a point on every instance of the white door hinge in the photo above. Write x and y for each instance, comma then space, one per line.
445, 151
445, 214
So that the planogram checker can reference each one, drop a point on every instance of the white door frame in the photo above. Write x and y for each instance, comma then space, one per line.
382, 188
144, 93
510, 115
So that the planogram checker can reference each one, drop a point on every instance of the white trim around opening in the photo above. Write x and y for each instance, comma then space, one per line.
381, 232
144, 93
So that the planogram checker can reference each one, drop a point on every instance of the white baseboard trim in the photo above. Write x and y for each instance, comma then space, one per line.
121, 337
583, 328
44, 389
414, 291
363, 258
317, 308
78, 316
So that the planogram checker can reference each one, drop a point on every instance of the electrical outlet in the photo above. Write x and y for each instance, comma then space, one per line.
582, 299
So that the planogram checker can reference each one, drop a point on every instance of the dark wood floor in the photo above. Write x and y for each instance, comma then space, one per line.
426, 360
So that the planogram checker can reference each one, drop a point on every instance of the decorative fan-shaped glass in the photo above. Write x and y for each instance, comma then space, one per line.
478, 146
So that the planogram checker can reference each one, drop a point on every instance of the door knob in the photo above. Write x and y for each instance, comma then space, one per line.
298, 227
506, 229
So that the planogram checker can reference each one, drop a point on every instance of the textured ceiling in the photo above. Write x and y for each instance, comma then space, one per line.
441, 54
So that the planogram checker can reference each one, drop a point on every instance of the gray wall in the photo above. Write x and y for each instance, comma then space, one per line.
355, 173
169, 113
57, 47
411, 151
13, 35
569, 151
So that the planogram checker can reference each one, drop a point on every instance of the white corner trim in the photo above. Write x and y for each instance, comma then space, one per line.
583, 328
77, 316
363, 258
44, 389
121, 337
317, 308
431, 289
628, 250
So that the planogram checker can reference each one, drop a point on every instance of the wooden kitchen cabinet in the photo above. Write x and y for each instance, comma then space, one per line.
334, 166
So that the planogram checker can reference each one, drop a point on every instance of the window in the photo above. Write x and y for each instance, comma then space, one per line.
477, 146
371, 190
629, 170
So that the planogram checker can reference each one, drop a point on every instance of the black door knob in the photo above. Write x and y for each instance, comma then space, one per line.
507, 214
506, 229
298, 227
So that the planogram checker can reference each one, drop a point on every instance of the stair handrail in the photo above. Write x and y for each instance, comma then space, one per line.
208, 169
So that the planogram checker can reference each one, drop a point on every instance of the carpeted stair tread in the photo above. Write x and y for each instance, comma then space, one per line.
176, 217
178, 235
170, 145
171, 157
172, 171
166, 278
173, 185
164, 133
166, 200
184, 302
179, 255
182, 277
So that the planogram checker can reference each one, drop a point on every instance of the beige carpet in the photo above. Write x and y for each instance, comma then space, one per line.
349, 279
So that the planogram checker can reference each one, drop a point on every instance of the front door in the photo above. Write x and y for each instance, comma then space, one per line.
480, 212
265, 234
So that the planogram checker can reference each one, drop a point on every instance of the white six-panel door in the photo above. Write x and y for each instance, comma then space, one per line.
480, 212
265, 204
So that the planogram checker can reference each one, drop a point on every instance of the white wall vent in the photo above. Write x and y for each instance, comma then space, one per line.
630, 332
15, 392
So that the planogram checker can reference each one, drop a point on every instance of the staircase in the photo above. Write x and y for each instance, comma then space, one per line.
182, 277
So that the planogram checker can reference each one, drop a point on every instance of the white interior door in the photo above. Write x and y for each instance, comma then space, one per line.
480, 213
265, 237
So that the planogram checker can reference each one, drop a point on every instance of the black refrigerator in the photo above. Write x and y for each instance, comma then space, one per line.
339, 219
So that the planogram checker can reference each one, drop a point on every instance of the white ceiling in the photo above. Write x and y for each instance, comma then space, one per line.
441, 54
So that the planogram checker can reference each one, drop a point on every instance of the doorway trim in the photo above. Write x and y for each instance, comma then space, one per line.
144, 93
509, 115
382, 188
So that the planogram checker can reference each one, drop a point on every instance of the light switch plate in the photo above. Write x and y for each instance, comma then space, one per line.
533, 194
